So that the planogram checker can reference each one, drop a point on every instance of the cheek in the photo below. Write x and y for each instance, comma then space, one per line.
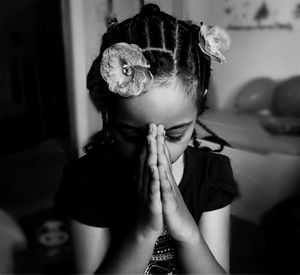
177, 149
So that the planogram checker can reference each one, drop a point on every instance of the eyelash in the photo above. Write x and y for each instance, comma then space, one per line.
174, 138
135, 138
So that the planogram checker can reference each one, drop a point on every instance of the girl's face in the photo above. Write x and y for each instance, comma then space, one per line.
170, 106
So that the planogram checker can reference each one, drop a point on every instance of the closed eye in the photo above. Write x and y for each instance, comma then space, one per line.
172, 138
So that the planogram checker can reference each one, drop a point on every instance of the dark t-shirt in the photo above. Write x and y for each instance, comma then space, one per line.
96, 191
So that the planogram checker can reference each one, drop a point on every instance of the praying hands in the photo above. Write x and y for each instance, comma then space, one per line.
161, 201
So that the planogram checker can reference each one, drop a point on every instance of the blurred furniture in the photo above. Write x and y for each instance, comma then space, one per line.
267, 170
266, 167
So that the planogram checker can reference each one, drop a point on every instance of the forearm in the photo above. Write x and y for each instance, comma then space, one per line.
131, 257
195, 257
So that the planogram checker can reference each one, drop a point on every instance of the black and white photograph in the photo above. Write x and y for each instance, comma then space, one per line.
149, 136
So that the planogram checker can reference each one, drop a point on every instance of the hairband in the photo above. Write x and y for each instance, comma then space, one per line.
126, 70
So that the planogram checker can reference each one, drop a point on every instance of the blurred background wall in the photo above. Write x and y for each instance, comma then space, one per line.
253, 53
260, 52
33, 101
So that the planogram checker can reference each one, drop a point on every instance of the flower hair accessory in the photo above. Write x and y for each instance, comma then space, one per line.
125, 69
213, 41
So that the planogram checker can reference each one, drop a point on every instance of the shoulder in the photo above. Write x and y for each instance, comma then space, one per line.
84, 189
89, 167
88, 172
89, 161
217, 179
203, 158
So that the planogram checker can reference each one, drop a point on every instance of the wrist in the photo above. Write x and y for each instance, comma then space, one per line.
145, 239
194, 238
146, 235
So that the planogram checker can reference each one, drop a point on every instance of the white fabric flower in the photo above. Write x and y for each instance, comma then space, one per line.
125, 69
213, 41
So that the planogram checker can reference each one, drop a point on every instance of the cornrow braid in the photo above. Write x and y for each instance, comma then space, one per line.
171, 49
214, 136
176, 50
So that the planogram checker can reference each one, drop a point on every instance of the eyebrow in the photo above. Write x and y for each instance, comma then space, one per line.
138, 129
180, 125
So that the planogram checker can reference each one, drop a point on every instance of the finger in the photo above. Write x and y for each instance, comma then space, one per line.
167, 153
151, 159
160, 129
162, 160
163, 153
165, 185
154, 190
152, 151
153, 130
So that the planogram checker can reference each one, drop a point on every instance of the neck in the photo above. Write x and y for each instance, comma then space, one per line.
177, 169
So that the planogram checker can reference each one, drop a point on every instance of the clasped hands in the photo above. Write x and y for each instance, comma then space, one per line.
161, 203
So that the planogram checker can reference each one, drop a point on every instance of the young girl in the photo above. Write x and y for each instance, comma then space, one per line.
142, 200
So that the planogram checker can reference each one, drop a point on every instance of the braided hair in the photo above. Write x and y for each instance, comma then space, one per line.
171, 49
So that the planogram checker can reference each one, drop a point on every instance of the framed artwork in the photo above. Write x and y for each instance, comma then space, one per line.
262, 14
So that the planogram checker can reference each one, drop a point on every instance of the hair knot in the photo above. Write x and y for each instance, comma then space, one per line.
111, 21
150, 9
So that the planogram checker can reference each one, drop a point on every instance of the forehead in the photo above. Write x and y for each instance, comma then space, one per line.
160, 105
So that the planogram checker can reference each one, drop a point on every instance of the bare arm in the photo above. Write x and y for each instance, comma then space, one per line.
91, 245
131, 257
208, 252
203, 248
93, 252
215, 229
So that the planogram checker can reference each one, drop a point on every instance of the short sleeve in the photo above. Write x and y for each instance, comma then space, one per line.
80, 196
222, 187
